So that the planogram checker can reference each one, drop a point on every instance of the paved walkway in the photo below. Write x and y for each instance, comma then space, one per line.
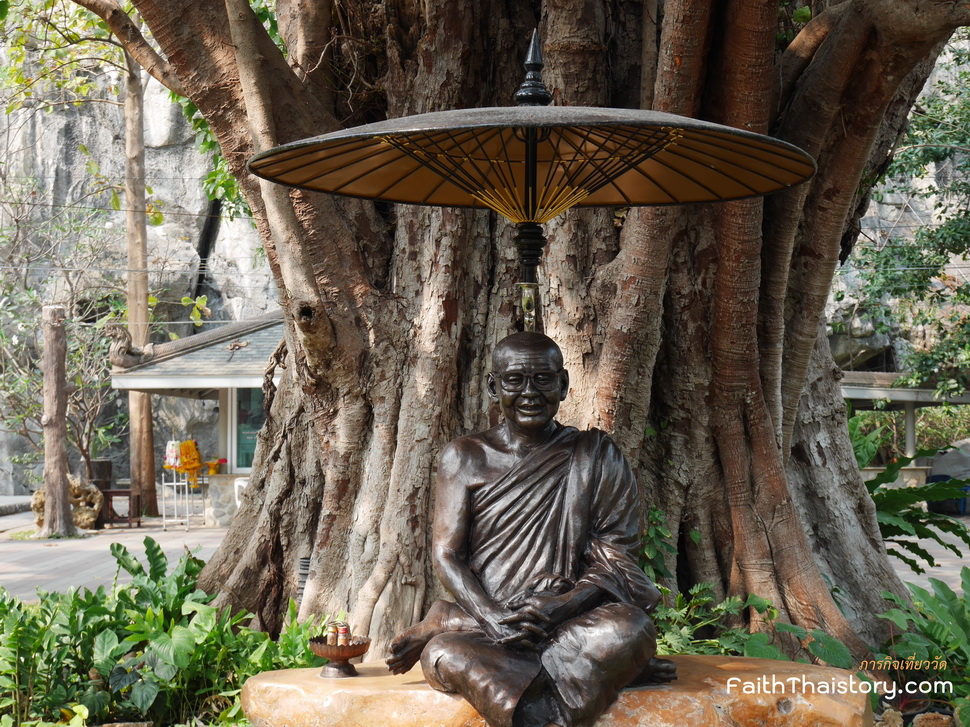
56, 565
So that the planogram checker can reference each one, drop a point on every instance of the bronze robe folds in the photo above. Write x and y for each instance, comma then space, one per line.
566, 515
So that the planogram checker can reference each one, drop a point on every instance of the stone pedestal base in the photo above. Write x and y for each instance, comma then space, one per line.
711, 691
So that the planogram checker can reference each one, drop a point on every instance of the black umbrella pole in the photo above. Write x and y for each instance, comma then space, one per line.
529, 242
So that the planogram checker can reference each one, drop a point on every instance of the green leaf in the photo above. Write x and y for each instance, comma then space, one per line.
758, 603
799, 631
121, 677
176, 649
899, 618
126, 560
165, 672
915, 566
802, 15
96, 700
759, 647
106, 650
830, 650
257, 655
115, 201
962, 713
143, 695
157, 562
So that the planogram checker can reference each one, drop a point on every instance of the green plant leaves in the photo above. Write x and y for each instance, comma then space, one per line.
152, 648
759, 646
799, 632
125, 559
121, 678
657, 546
175, 649
143, 695
902, 520
107, 649
157, 561
899, 618
935, 629
829, 649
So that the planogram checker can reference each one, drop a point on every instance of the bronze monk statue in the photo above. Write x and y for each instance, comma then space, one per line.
536, 536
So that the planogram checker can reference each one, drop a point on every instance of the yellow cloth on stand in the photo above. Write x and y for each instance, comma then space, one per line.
190, 461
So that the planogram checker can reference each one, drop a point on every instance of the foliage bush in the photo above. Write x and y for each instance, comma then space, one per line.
902, 520
866, 442
696, 622
153, 649
899, 510
934, 628
937, 428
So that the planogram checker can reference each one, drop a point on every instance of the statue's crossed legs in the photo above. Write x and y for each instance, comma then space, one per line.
561, 682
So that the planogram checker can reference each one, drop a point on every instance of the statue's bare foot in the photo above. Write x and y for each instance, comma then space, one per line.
407, 647
657, 671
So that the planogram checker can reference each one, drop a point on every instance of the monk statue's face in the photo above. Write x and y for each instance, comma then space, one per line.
528, 380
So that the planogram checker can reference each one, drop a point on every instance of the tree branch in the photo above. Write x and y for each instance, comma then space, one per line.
305, 27
865, 83
301, 288
134, 42
684, 46
802, 49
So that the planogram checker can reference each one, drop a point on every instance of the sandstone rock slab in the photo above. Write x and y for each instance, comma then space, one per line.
711, 691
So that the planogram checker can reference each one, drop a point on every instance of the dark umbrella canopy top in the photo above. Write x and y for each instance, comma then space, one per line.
581, 157
533, 161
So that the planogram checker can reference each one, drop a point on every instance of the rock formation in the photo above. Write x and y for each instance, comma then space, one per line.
86, 501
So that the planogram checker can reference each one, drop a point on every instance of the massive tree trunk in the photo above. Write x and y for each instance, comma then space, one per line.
691, 334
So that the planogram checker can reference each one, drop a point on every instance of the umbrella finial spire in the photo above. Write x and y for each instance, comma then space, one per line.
533, 91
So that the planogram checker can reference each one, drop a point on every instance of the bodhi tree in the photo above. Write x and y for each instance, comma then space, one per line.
692, 334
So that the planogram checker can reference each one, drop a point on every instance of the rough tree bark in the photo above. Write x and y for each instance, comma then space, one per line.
692, 334
58, 522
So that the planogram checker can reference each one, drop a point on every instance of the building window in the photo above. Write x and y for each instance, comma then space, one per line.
248, 420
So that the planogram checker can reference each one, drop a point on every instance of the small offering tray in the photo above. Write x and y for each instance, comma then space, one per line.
339, 656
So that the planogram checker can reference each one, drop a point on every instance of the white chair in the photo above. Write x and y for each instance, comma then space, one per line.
238, 486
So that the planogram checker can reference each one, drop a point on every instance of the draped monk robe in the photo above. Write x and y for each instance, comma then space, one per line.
564, 516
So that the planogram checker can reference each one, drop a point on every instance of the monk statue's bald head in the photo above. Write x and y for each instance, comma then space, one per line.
527, 380
526, 342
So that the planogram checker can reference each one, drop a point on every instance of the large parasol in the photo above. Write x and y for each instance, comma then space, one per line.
533, 161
